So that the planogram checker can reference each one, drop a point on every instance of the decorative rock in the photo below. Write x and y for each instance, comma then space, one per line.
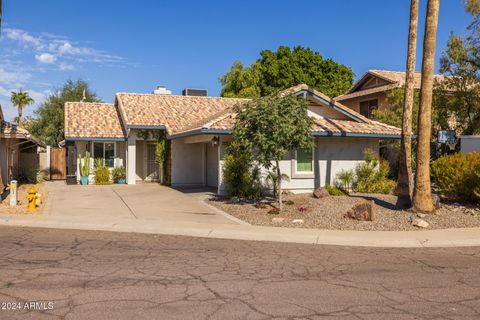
362, 211
421, 215
297, 221
420, 223
320, 193
436, 201
278, 220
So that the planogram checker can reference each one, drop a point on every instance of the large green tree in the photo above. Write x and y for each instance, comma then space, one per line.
271, 126
457, 99
20, 99
286, 67
48, 124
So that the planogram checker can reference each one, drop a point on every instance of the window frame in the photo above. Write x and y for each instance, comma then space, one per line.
370, 107
302, 174
92, 152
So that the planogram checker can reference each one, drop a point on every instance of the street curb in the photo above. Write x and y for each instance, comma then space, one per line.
385, 239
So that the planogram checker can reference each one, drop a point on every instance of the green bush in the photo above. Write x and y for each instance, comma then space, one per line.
102, 174
372, 174
346, 177
241, 176
458, 176
334, 191
118, 173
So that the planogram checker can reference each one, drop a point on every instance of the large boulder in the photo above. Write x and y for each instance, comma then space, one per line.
320, 193
362, 211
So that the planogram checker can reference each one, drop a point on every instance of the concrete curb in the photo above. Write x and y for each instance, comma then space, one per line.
388, 239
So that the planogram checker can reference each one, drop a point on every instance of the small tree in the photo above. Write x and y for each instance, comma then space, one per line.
270, 127
20, 99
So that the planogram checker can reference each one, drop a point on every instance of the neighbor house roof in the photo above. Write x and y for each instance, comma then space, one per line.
393, 79
11, 130
92, 120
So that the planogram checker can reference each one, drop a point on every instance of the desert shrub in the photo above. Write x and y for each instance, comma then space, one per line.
102, 174
345, 178
334, 191
372, 174
242, 178
458, 176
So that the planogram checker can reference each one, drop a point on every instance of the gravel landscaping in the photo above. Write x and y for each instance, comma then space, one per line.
305, 211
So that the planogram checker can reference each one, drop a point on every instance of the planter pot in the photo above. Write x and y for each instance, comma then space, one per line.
84, 180
121, 181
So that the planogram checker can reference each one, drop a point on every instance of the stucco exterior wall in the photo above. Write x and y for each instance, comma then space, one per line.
188, 163
354, 103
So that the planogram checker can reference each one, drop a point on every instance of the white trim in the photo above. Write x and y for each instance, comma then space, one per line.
302, 174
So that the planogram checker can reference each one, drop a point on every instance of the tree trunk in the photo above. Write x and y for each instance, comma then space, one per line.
404, 186
422, 194
20, 111
279, 189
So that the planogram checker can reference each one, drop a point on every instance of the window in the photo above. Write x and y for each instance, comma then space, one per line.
304, 160
367, 107
106, 151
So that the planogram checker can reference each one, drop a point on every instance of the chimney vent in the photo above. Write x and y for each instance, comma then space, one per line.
162, 90
195, 92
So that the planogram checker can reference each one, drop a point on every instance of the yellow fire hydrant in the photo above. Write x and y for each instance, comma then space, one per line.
32, 198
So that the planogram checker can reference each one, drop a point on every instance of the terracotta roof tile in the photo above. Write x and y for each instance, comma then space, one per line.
176, 113
92, 120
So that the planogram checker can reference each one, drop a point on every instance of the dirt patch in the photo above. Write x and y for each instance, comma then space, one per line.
22, 206
305, 211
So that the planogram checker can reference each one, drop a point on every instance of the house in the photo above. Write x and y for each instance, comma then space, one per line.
199, 129
18, 151
370, 91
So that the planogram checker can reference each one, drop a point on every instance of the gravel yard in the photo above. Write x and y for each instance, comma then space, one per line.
22, 207
328, 213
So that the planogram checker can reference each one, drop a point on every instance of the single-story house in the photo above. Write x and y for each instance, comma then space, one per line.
199, 129
18, 151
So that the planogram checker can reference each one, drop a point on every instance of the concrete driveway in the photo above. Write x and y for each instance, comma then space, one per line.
140, 202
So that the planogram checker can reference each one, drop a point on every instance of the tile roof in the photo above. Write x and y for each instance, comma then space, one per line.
9, 128
176, 113
395, 79
92, 120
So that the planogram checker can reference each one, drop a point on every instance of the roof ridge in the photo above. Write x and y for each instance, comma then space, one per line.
179, 96
84, 102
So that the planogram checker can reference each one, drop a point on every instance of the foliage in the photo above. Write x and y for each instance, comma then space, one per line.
457, 98
284, 68
346, 178
118, 173
458, 176
272, 126
102, 174
84, 164
272, 177
20, 99
372, 174
335, 191
48, 123
241, 176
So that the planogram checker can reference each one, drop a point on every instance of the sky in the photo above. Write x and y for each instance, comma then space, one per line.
134, 46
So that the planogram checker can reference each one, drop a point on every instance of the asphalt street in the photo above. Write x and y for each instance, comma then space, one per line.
67, 274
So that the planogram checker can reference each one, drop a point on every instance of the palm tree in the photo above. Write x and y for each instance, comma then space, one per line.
422, 194
404, 186
20, 99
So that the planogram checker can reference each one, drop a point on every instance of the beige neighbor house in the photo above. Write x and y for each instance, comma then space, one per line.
370, 91
19, 151
199, 129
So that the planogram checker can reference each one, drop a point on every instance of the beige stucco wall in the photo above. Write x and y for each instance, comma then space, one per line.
354, 104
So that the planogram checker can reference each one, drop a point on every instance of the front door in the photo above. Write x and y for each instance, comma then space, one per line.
152, 165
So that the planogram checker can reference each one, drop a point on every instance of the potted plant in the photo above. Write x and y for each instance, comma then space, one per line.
84, 165
119, 175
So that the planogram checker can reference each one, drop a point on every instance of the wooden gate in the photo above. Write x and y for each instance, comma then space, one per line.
58, 164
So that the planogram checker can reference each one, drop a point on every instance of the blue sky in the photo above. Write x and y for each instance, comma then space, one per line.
133, 46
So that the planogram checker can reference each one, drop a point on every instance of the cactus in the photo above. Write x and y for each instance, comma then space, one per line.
84, 164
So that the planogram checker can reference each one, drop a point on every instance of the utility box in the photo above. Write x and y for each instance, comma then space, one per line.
470, 144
